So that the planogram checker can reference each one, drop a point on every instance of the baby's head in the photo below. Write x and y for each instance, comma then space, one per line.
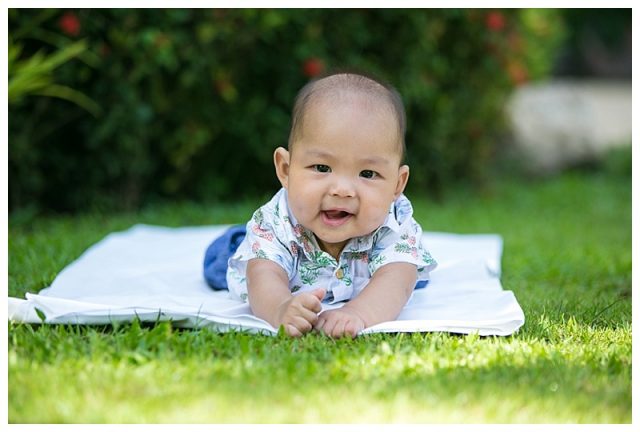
343, 167
342, 88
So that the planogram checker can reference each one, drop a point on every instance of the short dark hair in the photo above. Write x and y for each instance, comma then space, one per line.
338, 83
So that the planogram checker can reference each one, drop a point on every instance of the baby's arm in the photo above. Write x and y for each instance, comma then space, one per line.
271, 300
381, 300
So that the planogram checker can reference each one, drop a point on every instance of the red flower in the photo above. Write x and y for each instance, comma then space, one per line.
312, 67
70, 24
495, 21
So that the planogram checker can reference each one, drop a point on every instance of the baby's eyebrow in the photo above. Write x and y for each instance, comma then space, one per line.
318, 153
367, 160
375, 160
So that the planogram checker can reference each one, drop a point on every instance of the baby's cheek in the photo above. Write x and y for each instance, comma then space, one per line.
376, 218
298, 210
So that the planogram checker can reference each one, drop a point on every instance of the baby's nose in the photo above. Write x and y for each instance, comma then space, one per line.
342, 187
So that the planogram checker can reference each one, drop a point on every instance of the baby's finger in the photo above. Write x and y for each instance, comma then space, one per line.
300, 323
309, 316
338, 330
292, 330
319, 293
319, 323
328, 324
352, 329
310, 302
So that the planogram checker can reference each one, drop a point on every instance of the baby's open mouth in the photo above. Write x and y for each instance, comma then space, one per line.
335, 217
336, 214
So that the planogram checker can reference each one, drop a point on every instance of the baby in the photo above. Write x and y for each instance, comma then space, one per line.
340, 229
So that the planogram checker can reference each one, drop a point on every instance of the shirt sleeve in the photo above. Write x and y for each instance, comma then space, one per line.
261, 242
402, 245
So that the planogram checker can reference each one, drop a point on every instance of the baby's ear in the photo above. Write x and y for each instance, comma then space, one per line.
403, 178
281, 162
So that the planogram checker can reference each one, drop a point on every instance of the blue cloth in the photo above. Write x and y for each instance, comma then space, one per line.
217, 256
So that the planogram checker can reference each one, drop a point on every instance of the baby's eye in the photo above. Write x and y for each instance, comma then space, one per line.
368, 174
322, 168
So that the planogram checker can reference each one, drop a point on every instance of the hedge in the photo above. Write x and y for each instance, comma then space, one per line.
147, 104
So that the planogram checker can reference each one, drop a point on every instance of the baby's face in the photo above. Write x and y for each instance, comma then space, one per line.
343, 172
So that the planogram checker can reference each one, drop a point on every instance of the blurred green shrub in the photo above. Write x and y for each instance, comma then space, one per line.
33, 76
195, 101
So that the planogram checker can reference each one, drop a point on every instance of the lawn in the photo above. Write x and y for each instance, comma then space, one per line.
567, 257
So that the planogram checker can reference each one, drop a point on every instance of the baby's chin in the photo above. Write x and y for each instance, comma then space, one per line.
334, 238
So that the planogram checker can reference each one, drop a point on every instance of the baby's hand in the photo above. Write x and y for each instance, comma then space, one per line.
340, 322
299, 313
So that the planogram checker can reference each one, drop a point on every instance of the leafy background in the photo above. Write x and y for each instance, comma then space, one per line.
190, 104
112, 109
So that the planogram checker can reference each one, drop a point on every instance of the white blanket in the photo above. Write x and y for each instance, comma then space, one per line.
155, 273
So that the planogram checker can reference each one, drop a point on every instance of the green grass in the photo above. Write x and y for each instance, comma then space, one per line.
567, 257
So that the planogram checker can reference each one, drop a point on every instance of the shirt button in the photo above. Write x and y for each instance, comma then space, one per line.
339, 273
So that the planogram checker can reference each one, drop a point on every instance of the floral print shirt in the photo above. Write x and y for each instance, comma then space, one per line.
274, 234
